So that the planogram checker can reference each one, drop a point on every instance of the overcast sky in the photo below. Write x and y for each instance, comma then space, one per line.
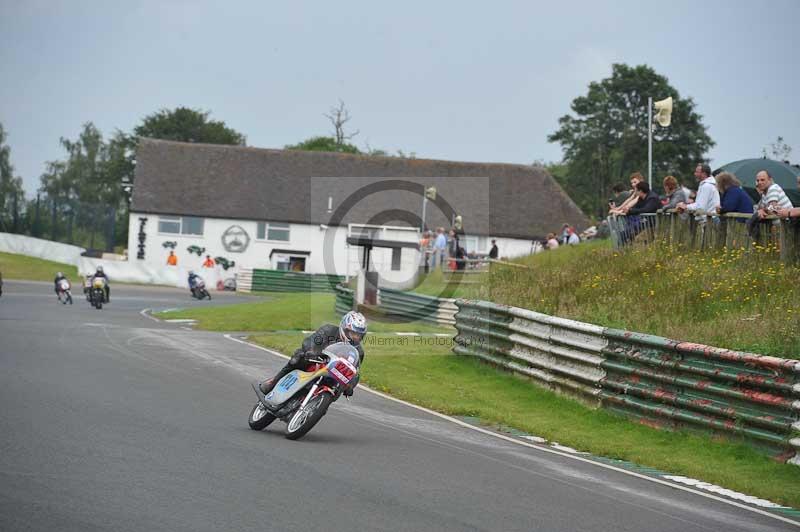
465, 81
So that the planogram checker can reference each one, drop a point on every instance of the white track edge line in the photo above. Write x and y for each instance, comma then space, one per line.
548, 450
144, 312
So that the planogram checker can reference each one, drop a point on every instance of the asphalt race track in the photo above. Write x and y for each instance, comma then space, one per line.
113, 421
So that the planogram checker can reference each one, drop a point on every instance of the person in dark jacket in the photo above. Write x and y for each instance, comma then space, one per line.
351, 329
494, 252
732, 197
648, 202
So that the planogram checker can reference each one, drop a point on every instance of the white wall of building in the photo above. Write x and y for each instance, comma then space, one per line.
329, 251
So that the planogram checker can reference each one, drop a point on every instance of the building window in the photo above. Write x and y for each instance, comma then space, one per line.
180, 225
192, 226
272, 231
290, 264
169, 225
396, 255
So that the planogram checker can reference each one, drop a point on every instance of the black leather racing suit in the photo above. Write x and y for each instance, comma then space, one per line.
312, 347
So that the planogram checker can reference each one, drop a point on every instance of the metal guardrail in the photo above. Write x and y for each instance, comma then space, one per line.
417, 306
561, 354
344, 299
258, 280
657, 381
702, 231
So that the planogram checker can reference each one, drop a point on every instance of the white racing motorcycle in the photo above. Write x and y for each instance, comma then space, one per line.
64, 293
301, 398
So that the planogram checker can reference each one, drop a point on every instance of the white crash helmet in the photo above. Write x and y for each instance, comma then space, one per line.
353, 322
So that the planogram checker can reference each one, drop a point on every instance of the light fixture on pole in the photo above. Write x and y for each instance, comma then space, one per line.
664, 119
430, 194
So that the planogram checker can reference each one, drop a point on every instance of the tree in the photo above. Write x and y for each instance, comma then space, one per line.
12, 195
338, 117
323, 144
606, 139
187, 125
779, 150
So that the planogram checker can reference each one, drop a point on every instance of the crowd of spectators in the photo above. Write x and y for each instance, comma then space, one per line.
715, 195
444, 249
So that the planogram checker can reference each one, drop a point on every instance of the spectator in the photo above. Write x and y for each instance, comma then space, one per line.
648, 200
794, 212
773, 198
209, 262
573, 237
633, 196
619, 196
733, 198
439, 247
707, 199
552, 243
564, 234
172, 260
674, 193
494, 252
692, 197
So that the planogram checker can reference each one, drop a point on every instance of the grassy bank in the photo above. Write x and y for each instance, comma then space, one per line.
424, 371
731, 299
14, 266
284, 312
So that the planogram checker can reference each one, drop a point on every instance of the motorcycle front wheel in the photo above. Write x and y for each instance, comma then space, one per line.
305, 418
259, 417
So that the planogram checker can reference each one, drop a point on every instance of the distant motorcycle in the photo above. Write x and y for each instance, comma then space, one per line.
87, 288
64, 293
199, 289
301, 398
97, 292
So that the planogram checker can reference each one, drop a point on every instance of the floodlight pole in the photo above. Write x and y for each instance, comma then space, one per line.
424, 204
650, 141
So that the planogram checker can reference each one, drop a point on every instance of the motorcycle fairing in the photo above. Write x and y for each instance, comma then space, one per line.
289, 385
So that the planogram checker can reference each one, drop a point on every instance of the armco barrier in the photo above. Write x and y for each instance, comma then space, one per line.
656, 381
258, 280
560, 354
344, 300
417, 306
683, 385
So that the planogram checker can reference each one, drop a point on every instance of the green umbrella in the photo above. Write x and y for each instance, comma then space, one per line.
782, 173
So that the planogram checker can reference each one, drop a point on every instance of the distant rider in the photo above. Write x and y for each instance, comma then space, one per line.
100, 273
351, 329
192, 279
58, 279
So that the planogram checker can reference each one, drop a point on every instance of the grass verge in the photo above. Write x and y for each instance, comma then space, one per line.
285, 312
14, 266
429, 375
730, 298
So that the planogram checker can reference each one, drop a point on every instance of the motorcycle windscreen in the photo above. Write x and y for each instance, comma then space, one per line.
288, 386
343, 350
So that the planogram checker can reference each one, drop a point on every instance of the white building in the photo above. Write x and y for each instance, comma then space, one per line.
294, 210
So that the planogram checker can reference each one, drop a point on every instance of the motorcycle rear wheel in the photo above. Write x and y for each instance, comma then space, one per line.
259, 417
305, 418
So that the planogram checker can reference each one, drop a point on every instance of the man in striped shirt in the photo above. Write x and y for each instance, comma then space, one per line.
773, 198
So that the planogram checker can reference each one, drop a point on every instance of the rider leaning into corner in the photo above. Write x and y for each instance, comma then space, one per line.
351, 329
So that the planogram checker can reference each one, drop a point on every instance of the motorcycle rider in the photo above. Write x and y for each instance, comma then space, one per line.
100, 273
192, 280
351, 329
59, 277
